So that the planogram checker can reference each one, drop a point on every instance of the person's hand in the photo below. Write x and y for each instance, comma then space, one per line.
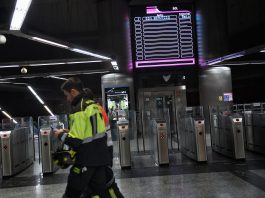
65, 130
57, 132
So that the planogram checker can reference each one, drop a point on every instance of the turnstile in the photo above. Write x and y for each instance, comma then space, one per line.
254, 124
160, 141
193, 142
48, 145
16, 150
201, 154
227, 135
258, 133
124, 143
249, 130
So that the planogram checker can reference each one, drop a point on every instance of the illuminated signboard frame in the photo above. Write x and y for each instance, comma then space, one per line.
174, 43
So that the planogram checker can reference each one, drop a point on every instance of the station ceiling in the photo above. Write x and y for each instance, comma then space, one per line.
100, 26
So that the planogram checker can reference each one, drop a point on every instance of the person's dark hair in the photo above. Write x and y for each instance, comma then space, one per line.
88, 93
72, 83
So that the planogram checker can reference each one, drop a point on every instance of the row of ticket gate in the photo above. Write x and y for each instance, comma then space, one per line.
17, 145
227, 138
254, 125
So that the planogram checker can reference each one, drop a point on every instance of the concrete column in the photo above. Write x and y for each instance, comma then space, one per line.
215, 87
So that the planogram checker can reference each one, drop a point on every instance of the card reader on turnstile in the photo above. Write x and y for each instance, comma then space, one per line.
48, 145
124, 143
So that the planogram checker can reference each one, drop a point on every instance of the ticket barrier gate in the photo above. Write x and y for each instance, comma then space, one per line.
249, 130
193, 140
124, 143
16, 150
48, 143
254, 128
160, 141
227, 135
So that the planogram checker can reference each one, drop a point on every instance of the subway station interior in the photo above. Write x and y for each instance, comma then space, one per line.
182, 82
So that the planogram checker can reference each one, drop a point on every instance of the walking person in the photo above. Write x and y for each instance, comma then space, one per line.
112, 187
87, 137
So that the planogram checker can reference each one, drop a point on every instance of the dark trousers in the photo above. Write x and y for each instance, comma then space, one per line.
94, 177
111, 184
112, 187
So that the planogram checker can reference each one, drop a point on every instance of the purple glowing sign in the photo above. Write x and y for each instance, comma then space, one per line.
163, 38
155, 10
169, 62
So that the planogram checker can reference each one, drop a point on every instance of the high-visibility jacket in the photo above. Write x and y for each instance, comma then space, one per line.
105, 115
88, 123
87, 134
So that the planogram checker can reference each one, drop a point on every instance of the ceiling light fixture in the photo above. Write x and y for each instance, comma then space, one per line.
8, 66
56, 77
63, 63
215, 61
89, 53
78, 62
49, 42
43, 64
103, 72
7, 115
40, 100
20, 12
232, 56
47, 108
2, 79
114, 65
262, 51
19, 83
5, 83
227, 57
35, 94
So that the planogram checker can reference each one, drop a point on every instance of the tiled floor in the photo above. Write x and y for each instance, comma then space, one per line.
221, 177
260, 173
220, 185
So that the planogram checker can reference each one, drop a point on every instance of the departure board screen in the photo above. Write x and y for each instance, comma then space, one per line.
162, 36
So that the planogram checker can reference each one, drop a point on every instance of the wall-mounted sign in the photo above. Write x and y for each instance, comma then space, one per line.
228, 97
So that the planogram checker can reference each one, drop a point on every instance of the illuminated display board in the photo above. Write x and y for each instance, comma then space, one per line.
162, 36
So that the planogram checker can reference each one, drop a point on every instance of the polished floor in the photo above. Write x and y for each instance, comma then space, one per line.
220, 177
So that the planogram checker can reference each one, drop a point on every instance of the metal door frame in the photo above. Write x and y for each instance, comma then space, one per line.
175, 92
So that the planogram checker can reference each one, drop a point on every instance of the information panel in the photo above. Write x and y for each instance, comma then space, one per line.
162, 36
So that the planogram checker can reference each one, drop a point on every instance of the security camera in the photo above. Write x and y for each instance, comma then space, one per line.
24, 70
2, 39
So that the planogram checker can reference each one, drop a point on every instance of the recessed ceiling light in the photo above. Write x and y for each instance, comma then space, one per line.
45, 41
89, 53
20, 12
